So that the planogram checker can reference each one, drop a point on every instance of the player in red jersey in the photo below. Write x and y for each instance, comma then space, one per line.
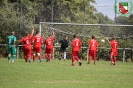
27, 45
76, 44
92, 44
48, 42
113, 51
37, 40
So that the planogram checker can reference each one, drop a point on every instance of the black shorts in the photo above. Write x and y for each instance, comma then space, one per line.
62, 50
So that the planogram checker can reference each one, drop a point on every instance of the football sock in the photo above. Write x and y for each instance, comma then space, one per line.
76, 57
64, 56
34, 57
114, 60
111, 60
40, 57
46, 56
8, 58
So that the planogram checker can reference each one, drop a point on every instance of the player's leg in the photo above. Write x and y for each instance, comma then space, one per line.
64, 50
94, 56
89, 56
73, 57
50, 54
39, 56
25, 54
114, 57
77, 58
29, 54
46, 55
13, 53
34, 56
9, 54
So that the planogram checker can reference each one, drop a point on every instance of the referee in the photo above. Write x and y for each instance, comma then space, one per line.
64, 45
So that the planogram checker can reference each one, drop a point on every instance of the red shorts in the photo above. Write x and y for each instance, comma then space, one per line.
92, 53
48, 51
37, 49
74, 53
27, 52
113, 53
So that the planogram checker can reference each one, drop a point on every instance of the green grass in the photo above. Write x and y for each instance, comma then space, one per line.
60, 74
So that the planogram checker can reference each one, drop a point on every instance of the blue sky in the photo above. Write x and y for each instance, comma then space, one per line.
107, 7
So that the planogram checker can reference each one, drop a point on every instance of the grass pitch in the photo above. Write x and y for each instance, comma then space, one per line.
60, 74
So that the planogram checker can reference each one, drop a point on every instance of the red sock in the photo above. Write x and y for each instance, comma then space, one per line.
40, 57
25, 58
73, 59
114, 60
76, 57
89, 58
94, 59
34, 57
46, 56
49, 56
111, 60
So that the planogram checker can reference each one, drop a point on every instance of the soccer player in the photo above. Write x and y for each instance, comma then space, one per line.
113, 51
27, 45
76, 45
48, 42
11, 46
92, 44
37, 41
64, 45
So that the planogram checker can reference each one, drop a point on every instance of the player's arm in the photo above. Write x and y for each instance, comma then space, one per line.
53, 34
107, 40
32, 30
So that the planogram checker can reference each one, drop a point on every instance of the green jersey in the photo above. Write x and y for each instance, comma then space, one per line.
11, 39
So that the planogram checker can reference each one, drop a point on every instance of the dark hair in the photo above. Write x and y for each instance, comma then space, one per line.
37, 31
74, 36
113, 38
93, 37
26, 33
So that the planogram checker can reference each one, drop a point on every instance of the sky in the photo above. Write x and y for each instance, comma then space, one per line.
107, 7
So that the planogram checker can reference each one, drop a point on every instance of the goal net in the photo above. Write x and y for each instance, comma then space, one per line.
123, 33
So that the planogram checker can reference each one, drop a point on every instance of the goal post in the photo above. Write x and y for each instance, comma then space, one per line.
124, 34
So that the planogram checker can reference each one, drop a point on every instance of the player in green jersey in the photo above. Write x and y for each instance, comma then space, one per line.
11, 46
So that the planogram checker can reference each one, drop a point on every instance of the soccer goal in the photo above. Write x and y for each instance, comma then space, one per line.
123, 33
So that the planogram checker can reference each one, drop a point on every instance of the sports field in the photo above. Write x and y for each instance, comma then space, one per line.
60, 74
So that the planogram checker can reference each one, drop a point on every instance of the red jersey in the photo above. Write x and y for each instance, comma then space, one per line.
49, 42
26, 41
93, 44
114, 45
37, 39
76, 44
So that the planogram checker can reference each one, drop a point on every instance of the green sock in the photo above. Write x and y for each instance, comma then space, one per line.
8, 58
13, 57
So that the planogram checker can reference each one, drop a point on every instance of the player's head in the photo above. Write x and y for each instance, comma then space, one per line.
26, 33
65, 37
37, 32
74, 36
93, 37
49, 35
113, 38
12, 33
